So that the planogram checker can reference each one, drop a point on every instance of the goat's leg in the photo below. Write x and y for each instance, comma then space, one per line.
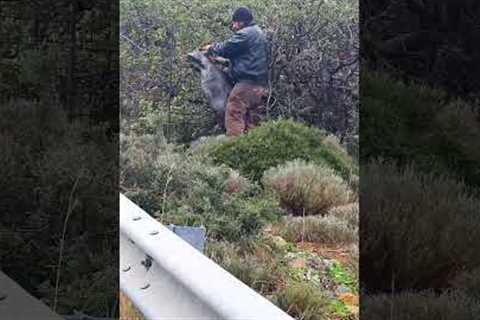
220, 119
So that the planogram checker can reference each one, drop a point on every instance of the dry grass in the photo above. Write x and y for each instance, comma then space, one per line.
326, 230
306, 188
128, 310
303, 301
252, 263
348, 213
235, 183
420, 306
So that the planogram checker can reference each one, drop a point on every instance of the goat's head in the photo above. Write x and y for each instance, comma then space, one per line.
198, 60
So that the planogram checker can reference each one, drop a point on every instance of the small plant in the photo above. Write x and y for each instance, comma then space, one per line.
338, 309
341, 277
253, 265
306, 188
235, 183
327, 230
303, 301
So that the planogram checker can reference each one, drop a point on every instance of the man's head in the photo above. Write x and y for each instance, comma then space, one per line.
241, 18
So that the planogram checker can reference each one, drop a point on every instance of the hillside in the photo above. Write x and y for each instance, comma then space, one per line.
289, 231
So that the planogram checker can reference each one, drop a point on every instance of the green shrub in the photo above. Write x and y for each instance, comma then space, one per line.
417, 230
326, 230
420, 306
276, 142
416, 123
305, 188
187, 190
229, 219
303, 301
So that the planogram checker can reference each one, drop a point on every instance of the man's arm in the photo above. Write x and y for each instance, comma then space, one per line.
231, 47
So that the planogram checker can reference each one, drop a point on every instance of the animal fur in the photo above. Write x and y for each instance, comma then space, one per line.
214, 82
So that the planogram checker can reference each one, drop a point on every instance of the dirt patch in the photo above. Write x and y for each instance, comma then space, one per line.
337, 253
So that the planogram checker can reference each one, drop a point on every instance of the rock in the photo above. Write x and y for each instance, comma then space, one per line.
328, 263
342, 290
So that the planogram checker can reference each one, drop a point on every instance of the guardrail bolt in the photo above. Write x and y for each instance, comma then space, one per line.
3, 296
136, 218
126, 269
145, 286
153, 232
147, 263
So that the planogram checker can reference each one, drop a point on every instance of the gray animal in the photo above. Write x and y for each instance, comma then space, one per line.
214, 82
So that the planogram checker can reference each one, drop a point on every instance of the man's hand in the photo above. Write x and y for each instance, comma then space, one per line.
205, 47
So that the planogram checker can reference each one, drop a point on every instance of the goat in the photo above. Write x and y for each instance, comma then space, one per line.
214, 82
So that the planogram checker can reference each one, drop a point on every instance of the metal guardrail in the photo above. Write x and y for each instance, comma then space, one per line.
166, 278
16, 303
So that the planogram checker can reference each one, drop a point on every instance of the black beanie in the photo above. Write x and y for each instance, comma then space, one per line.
242, 15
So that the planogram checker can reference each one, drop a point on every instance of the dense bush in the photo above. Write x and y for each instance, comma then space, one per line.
185, 190
51, 168
277, 142
418, 230
305, 188
420, 306
414, 123
313, 67
406, 38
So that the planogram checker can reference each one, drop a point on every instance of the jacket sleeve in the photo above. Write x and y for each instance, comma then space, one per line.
231, 47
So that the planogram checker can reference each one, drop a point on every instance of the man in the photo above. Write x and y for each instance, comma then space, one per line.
248, 55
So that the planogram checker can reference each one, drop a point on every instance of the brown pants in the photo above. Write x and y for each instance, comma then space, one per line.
244, 108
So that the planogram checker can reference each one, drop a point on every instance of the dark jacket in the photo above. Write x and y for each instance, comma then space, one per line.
247, 51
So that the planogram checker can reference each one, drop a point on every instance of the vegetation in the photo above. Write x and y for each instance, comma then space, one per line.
327, 230
249, 233
306, 189
180, 171
313, 74
420, 199
276, 142
446, 132
402, 38
403, 205
60, 217
303, 302
423, 305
